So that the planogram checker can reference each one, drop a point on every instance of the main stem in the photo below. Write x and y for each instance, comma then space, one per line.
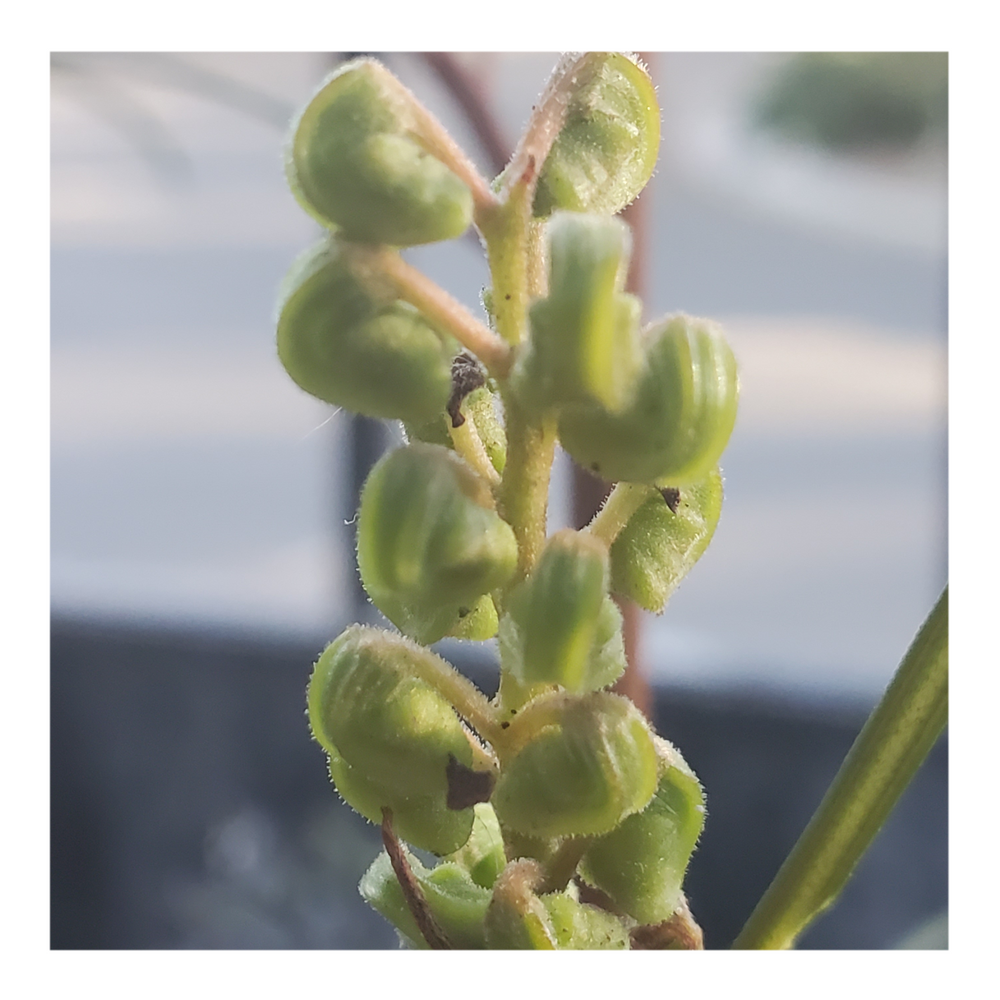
524, 489
513, 241
893, 743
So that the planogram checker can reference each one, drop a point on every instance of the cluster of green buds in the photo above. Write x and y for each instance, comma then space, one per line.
559, 818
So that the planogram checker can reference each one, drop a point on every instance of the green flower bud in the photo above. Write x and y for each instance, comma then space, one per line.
587, 762
641, 863
390, 734
350, 347
456, 902
430, 544
584, 345
357, 161
663, 540
607, 148
562, 628
679, 420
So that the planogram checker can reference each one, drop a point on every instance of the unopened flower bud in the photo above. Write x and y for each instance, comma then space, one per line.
641, 863
349, 346
563, 629
607, 148
390, 734
584, 345
679, 419
587, 763
663, 540
430, 544
357, 161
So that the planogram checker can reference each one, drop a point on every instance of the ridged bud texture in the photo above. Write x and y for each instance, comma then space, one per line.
390, 735
641, 864
430, 544
680, 418
584, 345
351, 348
607, 149
582, 772
356, 162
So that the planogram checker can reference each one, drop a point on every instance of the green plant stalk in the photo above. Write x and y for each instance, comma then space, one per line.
380, 264
624, 500
513, 243
887, 753
524, 490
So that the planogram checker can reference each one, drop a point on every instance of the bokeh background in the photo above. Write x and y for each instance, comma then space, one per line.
202, 550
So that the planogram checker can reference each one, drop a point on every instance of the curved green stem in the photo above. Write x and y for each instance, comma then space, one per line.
379, 264
470, 446
893, 743
623, 501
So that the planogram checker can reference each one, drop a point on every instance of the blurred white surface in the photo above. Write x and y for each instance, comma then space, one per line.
192, 482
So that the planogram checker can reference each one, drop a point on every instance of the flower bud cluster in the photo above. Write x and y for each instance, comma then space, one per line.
556, 794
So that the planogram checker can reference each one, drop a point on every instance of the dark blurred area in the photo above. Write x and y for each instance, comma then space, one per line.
190, 808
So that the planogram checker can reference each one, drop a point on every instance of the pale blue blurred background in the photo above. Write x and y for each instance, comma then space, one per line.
193, 484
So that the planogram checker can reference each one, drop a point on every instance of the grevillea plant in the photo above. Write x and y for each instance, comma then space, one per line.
559, 818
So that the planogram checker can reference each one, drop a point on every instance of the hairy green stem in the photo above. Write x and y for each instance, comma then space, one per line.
561, 867
623, 501
470, 446
524, 490
434, 137
516, 259
508, 232
893, 743
379, 265
468, 700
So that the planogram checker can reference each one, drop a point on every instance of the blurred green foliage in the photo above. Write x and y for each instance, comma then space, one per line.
849, 100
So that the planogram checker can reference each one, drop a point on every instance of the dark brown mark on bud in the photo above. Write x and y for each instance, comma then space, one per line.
412, 892
672, 497
466, 376
465, 786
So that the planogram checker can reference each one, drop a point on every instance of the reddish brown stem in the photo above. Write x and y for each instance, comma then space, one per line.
469, 91
412, 892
